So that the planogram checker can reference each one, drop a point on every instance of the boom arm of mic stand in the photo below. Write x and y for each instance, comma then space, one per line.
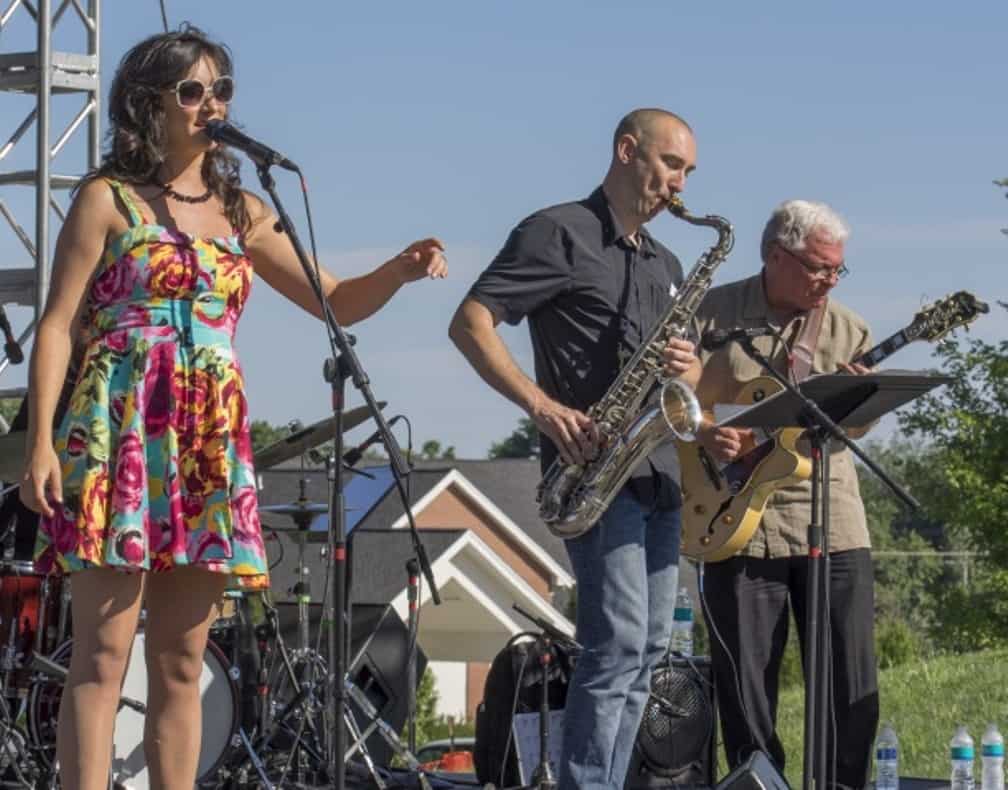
823, 421
418, 547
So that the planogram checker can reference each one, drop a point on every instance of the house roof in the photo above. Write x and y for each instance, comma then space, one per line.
477, 588
376, 563
508, 483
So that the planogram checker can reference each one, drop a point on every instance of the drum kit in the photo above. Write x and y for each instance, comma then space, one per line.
265, 722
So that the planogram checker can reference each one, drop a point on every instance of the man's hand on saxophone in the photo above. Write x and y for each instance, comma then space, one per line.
573, 432
681, 361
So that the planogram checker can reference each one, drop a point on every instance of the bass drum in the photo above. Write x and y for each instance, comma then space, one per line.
218, 694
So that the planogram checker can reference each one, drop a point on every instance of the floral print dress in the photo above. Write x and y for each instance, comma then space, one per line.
155, 448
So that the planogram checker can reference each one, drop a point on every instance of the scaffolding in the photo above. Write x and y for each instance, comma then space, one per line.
46, 74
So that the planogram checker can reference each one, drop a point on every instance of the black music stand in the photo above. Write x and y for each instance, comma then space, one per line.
824, 405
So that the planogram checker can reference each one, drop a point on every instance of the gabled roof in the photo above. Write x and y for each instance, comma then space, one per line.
455, 479
508, 483
476, 586
503, 488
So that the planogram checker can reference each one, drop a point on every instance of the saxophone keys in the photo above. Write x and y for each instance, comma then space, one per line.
728, 519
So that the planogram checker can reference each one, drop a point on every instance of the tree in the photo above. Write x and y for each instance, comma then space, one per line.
264, 434
431, 451
522, 443
8, 408
908, 569
966, 425
426, 708
426, 719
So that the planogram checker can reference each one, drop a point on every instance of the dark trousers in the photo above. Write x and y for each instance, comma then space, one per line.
748, 599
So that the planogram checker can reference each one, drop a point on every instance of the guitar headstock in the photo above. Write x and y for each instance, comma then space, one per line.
935, 321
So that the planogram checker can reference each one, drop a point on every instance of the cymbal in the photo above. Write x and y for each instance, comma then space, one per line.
295, 509
12, 457
302, 513
302, 441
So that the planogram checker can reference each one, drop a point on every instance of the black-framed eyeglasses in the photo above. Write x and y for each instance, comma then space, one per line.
192, 92
818, 272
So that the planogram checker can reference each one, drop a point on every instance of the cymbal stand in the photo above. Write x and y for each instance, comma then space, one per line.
306, 672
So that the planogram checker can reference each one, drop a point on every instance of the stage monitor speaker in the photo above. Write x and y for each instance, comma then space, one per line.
379, 643
756, 773
677, 740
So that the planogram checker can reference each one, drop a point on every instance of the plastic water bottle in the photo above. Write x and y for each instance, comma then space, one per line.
682, 624
961, 752
887, 760
992, 758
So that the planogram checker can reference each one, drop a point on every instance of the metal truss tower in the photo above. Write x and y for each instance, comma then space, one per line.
46, 74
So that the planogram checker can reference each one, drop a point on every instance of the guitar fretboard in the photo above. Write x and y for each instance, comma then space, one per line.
888, 346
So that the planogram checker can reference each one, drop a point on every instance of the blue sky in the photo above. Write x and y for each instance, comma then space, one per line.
459, 118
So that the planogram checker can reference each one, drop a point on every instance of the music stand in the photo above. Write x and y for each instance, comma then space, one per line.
823, 405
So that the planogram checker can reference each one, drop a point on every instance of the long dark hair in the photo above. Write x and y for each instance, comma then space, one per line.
137, 118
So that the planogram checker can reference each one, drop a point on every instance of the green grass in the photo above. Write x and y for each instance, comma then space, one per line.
925, 702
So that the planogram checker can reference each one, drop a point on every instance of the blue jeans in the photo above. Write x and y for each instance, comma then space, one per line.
627, 569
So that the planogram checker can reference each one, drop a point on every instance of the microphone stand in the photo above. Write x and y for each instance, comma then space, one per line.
413, 583
820, 429
343, 365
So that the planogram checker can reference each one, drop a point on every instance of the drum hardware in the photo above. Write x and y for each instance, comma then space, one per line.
256, 761
295, 726
302, 676
259, 746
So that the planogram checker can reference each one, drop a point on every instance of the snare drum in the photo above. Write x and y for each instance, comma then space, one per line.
218, 696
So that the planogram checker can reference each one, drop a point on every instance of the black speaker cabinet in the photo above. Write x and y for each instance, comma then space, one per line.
379, 643
677, 740
756, 773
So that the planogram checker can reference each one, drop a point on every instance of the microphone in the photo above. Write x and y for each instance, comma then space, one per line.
352, 456
716, 338
223, 132
11, 346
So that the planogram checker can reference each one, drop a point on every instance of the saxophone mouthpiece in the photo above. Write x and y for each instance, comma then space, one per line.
676, 206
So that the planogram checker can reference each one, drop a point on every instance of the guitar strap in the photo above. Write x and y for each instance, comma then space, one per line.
803, 350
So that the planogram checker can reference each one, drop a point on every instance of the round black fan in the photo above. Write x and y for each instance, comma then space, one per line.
678, 720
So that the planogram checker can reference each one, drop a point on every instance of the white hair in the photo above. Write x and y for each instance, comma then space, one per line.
793, 221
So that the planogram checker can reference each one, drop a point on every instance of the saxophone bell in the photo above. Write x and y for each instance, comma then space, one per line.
681, 409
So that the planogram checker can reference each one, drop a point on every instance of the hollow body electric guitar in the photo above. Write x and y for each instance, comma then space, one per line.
723, 503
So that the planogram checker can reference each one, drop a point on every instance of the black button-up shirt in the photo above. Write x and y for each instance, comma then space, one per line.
590, 295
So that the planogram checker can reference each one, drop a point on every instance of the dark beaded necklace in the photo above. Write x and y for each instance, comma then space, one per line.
167, 190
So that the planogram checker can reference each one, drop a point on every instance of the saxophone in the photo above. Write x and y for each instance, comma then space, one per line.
573, 497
